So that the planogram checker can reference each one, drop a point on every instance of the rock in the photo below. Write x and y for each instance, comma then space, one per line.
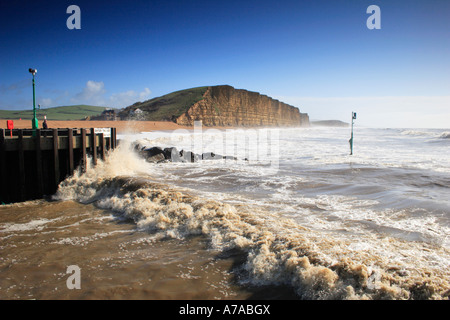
157, 155
138, 147
211, 156
173, 155
157, 158
170, 152
229, 158
153, 155
152, 152
189, 156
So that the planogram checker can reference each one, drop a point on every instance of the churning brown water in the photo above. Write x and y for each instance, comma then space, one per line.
40, 240
219, 231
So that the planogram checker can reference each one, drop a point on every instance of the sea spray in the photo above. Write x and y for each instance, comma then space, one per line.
277, 250
101, 180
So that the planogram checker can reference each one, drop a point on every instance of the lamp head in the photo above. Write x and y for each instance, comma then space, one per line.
32, 71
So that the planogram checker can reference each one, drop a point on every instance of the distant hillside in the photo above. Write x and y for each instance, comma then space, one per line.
77, 112
217, 106
165, 108
329, 123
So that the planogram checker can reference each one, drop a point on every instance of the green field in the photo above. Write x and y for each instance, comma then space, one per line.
161, 108
77, 112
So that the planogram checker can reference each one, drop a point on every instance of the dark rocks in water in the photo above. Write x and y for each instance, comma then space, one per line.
169, 152
172, 154
157, 158
138, 147
229, 158
154, 154
157, 155
153, 151
211, 156
189, 156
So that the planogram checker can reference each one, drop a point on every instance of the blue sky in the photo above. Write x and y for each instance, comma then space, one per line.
316, 55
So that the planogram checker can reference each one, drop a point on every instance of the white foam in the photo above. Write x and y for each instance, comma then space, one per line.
35, 225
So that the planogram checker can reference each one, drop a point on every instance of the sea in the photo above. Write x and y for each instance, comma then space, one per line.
288, 214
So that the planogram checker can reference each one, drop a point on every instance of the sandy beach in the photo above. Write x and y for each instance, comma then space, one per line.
122, 126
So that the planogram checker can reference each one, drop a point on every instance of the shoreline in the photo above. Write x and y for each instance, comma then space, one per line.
123, 127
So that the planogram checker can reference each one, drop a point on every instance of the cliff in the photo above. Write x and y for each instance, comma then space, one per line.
221, 106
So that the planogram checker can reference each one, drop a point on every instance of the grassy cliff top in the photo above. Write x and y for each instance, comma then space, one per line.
167, 106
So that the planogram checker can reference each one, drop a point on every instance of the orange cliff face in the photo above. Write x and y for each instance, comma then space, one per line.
225, 106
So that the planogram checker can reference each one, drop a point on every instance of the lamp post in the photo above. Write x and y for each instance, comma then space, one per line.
351, 138
34, 122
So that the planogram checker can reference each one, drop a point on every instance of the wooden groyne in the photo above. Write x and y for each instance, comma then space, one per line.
34, 162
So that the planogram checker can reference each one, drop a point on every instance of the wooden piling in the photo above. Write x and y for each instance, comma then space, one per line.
3, 182
93, 146
110, 139
56, 173
113, 138
21, 164
102, 146
83, 150
70, 150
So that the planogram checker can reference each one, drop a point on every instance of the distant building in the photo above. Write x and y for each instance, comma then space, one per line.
137, 112
109, 114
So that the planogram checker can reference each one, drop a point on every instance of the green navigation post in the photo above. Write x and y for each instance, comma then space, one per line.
351, 138
34, 122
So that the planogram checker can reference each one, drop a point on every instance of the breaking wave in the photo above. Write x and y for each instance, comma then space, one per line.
278, 250
428, 133
414, 133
